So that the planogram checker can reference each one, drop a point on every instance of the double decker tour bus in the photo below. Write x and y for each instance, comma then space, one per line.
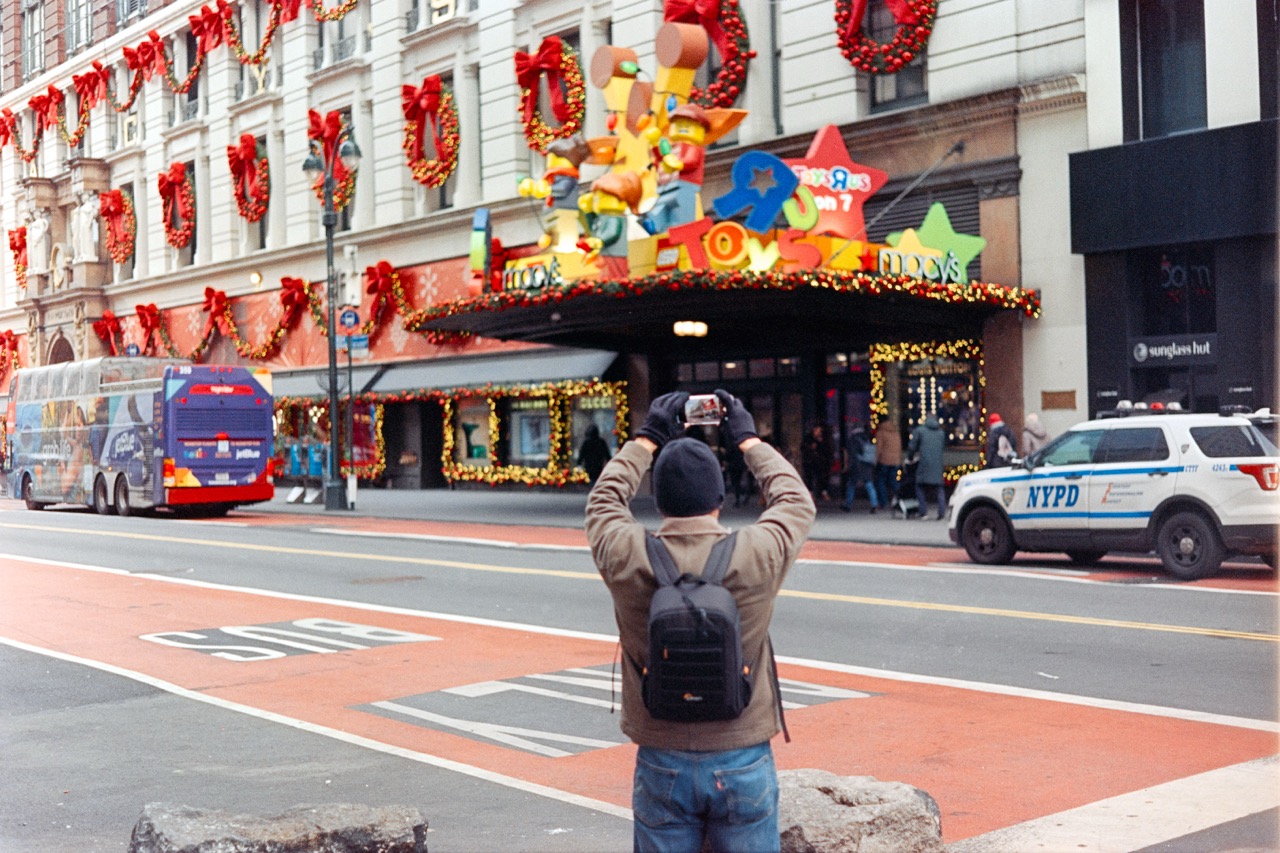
128, 434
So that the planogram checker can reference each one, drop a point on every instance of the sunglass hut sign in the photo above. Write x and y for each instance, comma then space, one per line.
820, 198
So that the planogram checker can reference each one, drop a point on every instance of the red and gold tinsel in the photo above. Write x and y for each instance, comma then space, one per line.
431, 106
566, 88
250, 178
116, 207
177, 196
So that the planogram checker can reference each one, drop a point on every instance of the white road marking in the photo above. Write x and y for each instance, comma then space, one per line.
1143, 818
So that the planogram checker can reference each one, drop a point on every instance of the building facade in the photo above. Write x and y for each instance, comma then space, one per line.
1005, 118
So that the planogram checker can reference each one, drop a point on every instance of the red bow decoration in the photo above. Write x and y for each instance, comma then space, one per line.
111, 206
289, 10
327, 131
243, 158
215, 303
422, 105
148, 57
903, 12
107, 329
90, 88
294, 294
208, 27
529, 69
149, 320
706, 13
46, 107
381, 279
8, 341
6, 126
18, 242
169, 184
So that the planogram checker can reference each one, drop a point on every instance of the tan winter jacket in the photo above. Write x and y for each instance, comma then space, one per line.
762, 556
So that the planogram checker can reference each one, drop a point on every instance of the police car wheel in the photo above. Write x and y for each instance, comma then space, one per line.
986, 537
1189, 546
101, 504
1085, 556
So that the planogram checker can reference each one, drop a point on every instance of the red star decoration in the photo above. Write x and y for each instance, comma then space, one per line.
839, 185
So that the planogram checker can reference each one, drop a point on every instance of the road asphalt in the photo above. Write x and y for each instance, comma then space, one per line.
534, 507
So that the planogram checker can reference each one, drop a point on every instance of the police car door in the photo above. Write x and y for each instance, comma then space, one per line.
1054, 502
1135, 469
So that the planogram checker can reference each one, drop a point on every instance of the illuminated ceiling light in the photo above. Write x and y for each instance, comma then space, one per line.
690, 328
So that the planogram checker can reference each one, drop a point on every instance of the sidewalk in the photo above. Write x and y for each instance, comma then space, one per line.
539, 508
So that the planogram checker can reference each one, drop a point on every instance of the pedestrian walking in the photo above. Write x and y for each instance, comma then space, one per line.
709, 781
925, 446
817, 456
1002, 445
593, 453
859, 466
1034, 435
888, 460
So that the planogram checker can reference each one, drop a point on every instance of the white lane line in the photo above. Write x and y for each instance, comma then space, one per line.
1143, 818
336, 734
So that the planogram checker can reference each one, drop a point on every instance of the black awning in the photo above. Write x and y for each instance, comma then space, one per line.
638, 315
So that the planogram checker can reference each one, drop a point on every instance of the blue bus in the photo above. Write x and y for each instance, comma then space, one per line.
129, 434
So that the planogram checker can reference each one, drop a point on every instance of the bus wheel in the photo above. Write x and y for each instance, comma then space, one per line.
28, 489
101, 498
122, 497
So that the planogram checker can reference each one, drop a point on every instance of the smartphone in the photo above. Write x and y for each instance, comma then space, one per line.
702, 410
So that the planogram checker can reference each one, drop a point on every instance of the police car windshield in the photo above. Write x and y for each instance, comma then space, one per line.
1070, 448
1229, 440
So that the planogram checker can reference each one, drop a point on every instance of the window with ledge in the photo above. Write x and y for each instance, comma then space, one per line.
258, 231
1163, 67
128, 10
337, 41
188, 103
904, 88
255, 16
32, 38
428, 13
79, 30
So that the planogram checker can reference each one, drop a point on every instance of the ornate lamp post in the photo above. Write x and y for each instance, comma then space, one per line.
319, 165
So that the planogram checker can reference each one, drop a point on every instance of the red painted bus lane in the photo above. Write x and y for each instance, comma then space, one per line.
470, 693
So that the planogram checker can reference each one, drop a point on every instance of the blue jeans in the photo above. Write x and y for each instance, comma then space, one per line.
730, 798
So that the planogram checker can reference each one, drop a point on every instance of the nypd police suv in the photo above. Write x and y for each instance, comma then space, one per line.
1195, 488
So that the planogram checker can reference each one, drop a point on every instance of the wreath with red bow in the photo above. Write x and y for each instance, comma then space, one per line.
430, 105
250, 177
723, 22
328, 130
18, 246
178, 195
116, 207
565, 85
915, 25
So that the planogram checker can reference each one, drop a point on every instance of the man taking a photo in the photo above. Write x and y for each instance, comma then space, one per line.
712, 779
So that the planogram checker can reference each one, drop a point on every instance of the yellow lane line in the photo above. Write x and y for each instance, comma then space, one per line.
593, 576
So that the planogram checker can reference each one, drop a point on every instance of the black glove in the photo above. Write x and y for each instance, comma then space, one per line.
736, 424
666, 418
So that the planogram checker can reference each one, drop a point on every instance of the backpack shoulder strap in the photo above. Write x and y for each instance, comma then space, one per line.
664, 567
718, 560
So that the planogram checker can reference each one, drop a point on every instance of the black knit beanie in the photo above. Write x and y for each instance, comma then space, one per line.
687, 480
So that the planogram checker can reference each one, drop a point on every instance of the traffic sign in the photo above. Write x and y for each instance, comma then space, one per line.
349, 318
131, 350
357, 345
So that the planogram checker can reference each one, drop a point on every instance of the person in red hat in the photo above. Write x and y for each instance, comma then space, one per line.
1002, 445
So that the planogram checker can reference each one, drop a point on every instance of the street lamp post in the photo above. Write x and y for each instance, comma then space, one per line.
319, 165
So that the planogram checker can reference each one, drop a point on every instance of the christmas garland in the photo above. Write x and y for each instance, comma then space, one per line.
882, 355
431, 104
231, 32
335, 14
18, 247
8, 355
328, 132
837, 281
116, 207
177, 192
565, 85
915, 24
722, 19
250, 178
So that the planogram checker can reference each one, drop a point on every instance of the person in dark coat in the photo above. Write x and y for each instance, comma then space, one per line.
927, 443
1002, 445
594, 453
818, 456
859, 467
